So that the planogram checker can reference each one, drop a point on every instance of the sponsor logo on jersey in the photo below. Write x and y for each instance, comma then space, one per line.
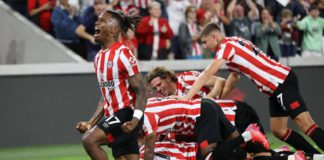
132, 61
107, 84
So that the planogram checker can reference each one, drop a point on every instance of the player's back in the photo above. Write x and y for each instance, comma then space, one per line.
243, 56
173, 115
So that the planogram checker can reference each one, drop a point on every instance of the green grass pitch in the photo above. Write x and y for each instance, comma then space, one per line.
66, 152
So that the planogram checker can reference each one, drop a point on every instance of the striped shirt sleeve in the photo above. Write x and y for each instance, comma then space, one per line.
129, 61
225, 51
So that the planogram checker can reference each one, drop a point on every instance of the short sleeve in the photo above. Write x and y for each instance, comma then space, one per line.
189, 77
150, 123
225, 51
129, 62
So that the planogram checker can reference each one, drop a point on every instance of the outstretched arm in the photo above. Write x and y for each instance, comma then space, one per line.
137, 84
204, 77
230, 84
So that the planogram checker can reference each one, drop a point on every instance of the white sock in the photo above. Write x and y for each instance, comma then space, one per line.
318, 157
247, 136
291, 157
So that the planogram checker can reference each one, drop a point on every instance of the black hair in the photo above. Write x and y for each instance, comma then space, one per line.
209, 28
312, 7
125, 22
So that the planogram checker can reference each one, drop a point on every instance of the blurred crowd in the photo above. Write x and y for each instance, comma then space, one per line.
169, 28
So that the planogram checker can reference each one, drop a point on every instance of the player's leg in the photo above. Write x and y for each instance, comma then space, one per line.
279, 112
92, 141
128, 150
214, 129
108, 132
306, 124
298, 111
245, 115
210, 133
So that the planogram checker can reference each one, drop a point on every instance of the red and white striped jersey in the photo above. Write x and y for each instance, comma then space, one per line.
113, 68
185, 82
142, 3
163, 115
173, 150
243, 56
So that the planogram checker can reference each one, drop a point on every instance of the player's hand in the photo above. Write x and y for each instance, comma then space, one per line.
164, 29
129, 125
208, 149
83, 127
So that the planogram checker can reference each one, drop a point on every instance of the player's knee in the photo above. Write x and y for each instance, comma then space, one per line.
87, 141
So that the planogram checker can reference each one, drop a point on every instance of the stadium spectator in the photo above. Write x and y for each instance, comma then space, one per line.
312, 27
240, 25
65, 20
210, 11
321, 8
123, 90
86, 29
177, 7
267, 34
188, 35
290, 34
154, 34
130, 41
40, 13
297, 8
277, 81
142, 5
126, 7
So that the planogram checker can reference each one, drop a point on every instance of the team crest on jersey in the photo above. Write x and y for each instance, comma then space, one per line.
132, 61
109, 64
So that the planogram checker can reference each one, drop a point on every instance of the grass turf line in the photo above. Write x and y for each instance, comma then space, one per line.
68, 152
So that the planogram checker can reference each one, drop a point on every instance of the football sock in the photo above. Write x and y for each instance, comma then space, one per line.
298, 141
317, 135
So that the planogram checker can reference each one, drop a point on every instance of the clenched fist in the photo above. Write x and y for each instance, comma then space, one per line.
83, 127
